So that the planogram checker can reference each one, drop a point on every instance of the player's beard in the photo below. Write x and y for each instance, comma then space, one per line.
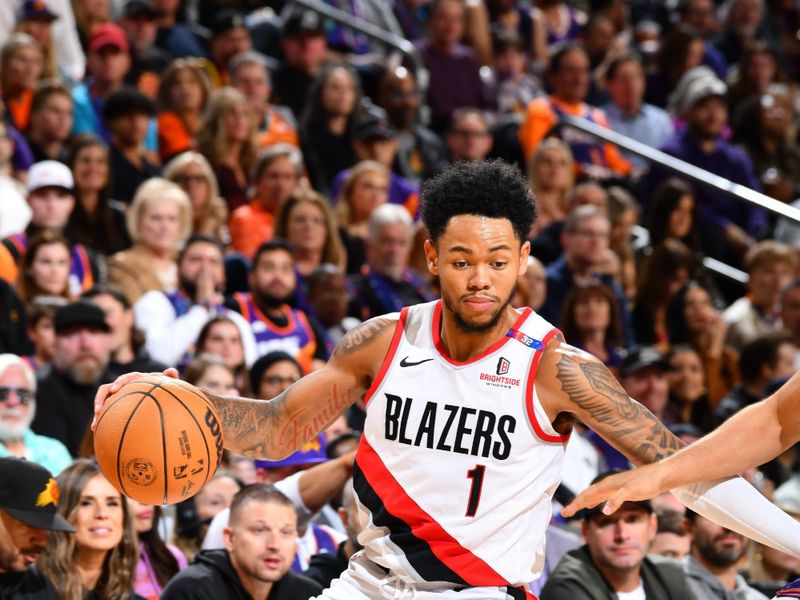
477, 328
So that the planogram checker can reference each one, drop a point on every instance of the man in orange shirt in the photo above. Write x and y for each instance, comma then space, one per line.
569, 77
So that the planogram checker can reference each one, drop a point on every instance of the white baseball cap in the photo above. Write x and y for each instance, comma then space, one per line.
50, 173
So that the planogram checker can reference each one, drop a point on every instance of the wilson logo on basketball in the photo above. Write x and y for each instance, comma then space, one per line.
213, 426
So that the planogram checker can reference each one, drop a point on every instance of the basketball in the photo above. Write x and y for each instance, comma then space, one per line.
158, 440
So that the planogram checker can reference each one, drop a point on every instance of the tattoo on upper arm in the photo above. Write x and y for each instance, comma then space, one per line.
620, 418
363, 334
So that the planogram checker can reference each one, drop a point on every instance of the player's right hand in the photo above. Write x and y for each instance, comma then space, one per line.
636, 484
108, 389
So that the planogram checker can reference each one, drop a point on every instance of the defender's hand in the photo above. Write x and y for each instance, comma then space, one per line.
637, 484
107, 389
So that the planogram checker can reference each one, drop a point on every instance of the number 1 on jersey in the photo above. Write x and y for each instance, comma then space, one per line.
476, 475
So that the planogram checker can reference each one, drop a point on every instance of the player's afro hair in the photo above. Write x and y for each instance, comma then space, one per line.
492, 189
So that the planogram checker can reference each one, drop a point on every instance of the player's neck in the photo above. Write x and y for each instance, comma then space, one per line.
462, 346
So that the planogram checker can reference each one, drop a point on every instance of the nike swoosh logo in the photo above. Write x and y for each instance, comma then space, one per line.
405, 363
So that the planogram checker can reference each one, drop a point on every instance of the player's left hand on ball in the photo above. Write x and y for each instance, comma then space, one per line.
107, 389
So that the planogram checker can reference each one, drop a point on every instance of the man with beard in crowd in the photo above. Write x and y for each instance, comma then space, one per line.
17, 409
713, 566
172, 321
28, 502
64, 396
275, 324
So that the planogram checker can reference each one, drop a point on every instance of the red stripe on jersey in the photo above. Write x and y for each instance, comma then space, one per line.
553, 439
397, 502
398, 334
437, 340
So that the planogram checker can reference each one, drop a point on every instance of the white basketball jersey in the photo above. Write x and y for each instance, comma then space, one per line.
458, 461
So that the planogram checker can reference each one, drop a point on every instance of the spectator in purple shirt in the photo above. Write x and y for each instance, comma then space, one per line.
455, 80
730, 225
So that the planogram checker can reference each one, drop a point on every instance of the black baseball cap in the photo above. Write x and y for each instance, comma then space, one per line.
588, 513
29, 493
304, 21
135, 8
227, 19
641, 357
80, 314
372, 127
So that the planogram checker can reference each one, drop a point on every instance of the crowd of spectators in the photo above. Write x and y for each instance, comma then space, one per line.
229, 186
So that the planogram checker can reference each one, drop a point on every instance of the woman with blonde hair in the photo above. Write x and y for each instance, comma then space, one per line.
227, 138
182, 96
99, 559
159, 221
364, 190
193, 173
306, 221
551, 173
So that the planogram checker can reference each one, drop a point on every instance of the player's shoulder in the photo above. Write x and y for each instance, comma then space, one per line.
369, 336
790, 591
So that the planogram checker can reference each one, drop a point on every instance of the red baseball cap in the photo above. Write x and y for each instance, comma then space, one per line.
108, 34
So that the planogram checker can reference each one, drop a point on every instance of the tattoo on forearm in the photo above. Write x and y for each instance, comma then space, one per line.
266, 428
618, 417
363, 334
272, 428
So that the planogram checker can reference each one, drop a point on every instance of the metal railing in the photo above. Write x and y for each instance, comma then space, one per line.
690, 171
392, 40
685, 169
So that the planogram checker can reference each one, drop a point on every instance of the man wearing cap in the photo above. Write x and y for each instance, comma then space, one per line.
108, 62
17, 411
140, 24
729, 225
229, 37
51, 199
81, 355
374, 138
28, 503
613, 564
304, 52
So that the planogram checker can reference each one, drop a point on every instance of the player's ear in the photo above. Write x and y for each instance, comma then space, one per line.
432, 257
524, 253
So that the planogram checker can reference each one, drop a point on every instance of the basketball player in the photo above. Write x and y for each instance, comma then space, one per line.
469, 403
748, 439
